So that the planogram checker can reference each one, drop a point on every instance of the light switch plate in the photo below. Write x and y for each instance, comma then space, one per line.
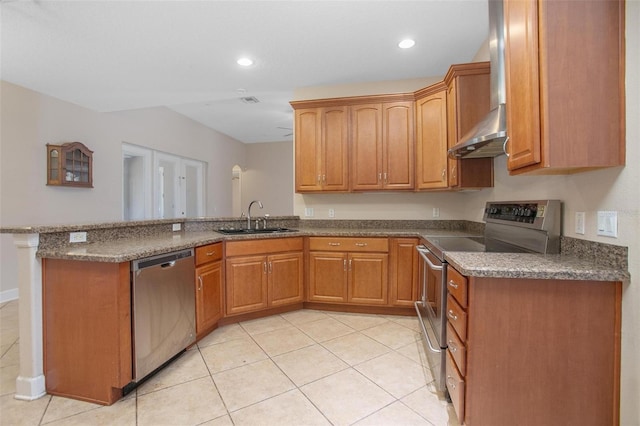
436, 212
580, 218
332, 213
308, 211
608, 224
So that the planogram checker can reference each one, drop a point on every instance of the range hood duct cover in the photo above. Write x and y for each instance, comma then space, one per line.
487, 138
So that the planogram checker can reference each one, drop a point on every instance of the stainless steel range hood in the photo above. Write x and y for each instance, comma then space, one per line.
487, 138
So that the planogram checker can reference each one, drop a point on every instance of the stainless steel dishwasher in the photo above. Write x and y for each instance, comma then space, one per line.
163, 309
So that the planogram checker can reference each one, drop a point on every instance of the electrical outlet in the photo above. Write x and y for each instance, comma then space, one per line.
436, 212
308, 211
77, 237
332, 213
176, 227
580, 223
608, 224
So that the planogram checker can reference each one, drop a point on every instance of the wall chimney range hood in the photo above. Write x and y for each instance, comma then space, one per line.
488, 137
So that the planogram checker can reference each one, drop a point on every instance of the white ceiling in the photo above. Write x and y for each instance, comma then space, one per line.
120, 55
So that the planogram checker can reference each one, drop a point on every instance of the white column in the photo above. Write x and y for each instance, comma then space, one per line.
30, 383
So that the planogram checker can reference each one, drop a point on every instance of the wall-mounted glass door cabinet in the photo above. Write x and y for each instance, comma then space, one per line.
69, 164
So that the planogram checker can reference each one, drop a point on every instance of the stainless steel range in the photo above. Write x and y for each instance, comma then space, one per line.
511, 227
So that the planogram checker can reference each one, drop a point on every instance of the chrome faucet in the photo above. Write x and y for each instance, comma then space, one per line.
249, 212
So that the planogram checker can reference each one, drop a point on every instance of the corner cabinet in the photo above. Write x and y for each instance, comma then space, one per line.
69, 164
564, 64
209, 284
431, 143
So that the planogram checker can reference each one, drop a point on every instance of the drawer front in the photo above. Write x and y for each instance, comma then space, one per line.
271, 245
208, 253
457, 286
457, 317
455, 386
457, 349
349, 244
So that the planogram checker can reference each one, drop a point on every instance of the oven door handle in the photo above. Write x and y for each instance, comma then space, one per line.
423, 250
424, 329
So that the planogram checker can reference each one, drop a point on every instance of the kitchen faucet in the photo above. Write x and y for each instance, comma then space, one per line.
249, 212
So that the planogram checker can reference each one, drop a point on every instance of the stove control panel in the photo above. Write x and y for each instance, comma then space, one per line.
521, 212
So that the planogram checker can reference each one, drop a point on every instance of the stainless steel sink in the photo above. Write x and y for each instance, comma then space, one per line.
255, 231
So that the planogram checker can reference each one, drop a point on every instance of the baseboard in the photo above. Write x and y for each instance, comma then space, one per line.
8, 295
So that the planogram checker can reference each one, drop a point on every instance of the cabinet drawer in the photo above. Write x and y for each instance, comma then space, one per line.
457, 349
208, 253
349, 244
457, 317
272, 245
455, 385
457, 286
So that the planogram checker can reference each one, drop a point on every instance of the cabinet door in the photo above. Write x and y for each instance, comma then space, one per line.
308, 139
327, 277
334, 153
431, 114
403, 272
452, 132
366, 147
285, 278
398, 157
522, 83
246, 284
368, 278
209, 280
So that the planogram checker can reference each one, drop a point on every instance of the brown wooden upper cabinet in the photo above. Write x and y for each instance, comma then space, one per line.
431, 141
321, 149
382, 146
70, 164
565, 85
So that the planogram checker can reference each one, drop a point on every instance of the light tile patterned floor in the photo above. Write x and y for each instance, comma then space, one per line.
300, 368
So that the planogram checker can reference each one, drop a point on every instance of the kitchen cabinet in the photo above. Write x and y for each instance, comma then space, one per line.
468, 101
403, 271
533, 351
69, 164
431, 140
382, 146
321, 149
262, 274
348, 270
87, 329
564, 64
209, 281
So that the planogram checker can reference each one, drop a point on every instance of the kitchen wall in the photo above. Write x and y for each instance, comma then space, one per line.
30, 120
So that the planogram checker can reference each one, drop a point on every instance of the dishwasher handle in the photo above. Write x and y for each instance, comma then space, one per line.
166, 260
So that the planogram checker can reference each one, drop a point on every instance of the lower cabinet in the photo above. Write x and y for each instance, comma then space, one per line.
533, 352
403, 271
87, 329
209, 284
348, 270
261, 274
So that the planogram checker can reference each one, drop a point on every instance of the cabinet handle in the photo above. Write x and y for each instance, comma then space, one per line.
361, 244
379, 177
210, 253
334, 244
451, 383
385, 177
270, 267
264, 267
318, 179
453, 171
444, 174
452, 284
199, 282
349, 264
452, 347
344, 264
451, 315
324, 178
504, 147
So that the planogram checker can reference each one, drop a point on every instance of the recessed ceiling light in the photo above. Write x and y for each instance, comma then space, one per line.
406, 43
245, 62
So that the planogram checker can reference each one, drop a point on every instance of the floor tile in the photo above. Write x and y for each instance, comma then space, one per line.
391, 334
223, 334
11, 356
190, 403
410, 322
346, 397
303, 315
415, 351
189, 366
252, 383
355, 348
232, 354
394, 373
122, 413
15, 412
60, 408
325, 329
396, 414
290, 408
308, 364
8, 377
262, 325
283, 340
359, 321
432, 407
220, 421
